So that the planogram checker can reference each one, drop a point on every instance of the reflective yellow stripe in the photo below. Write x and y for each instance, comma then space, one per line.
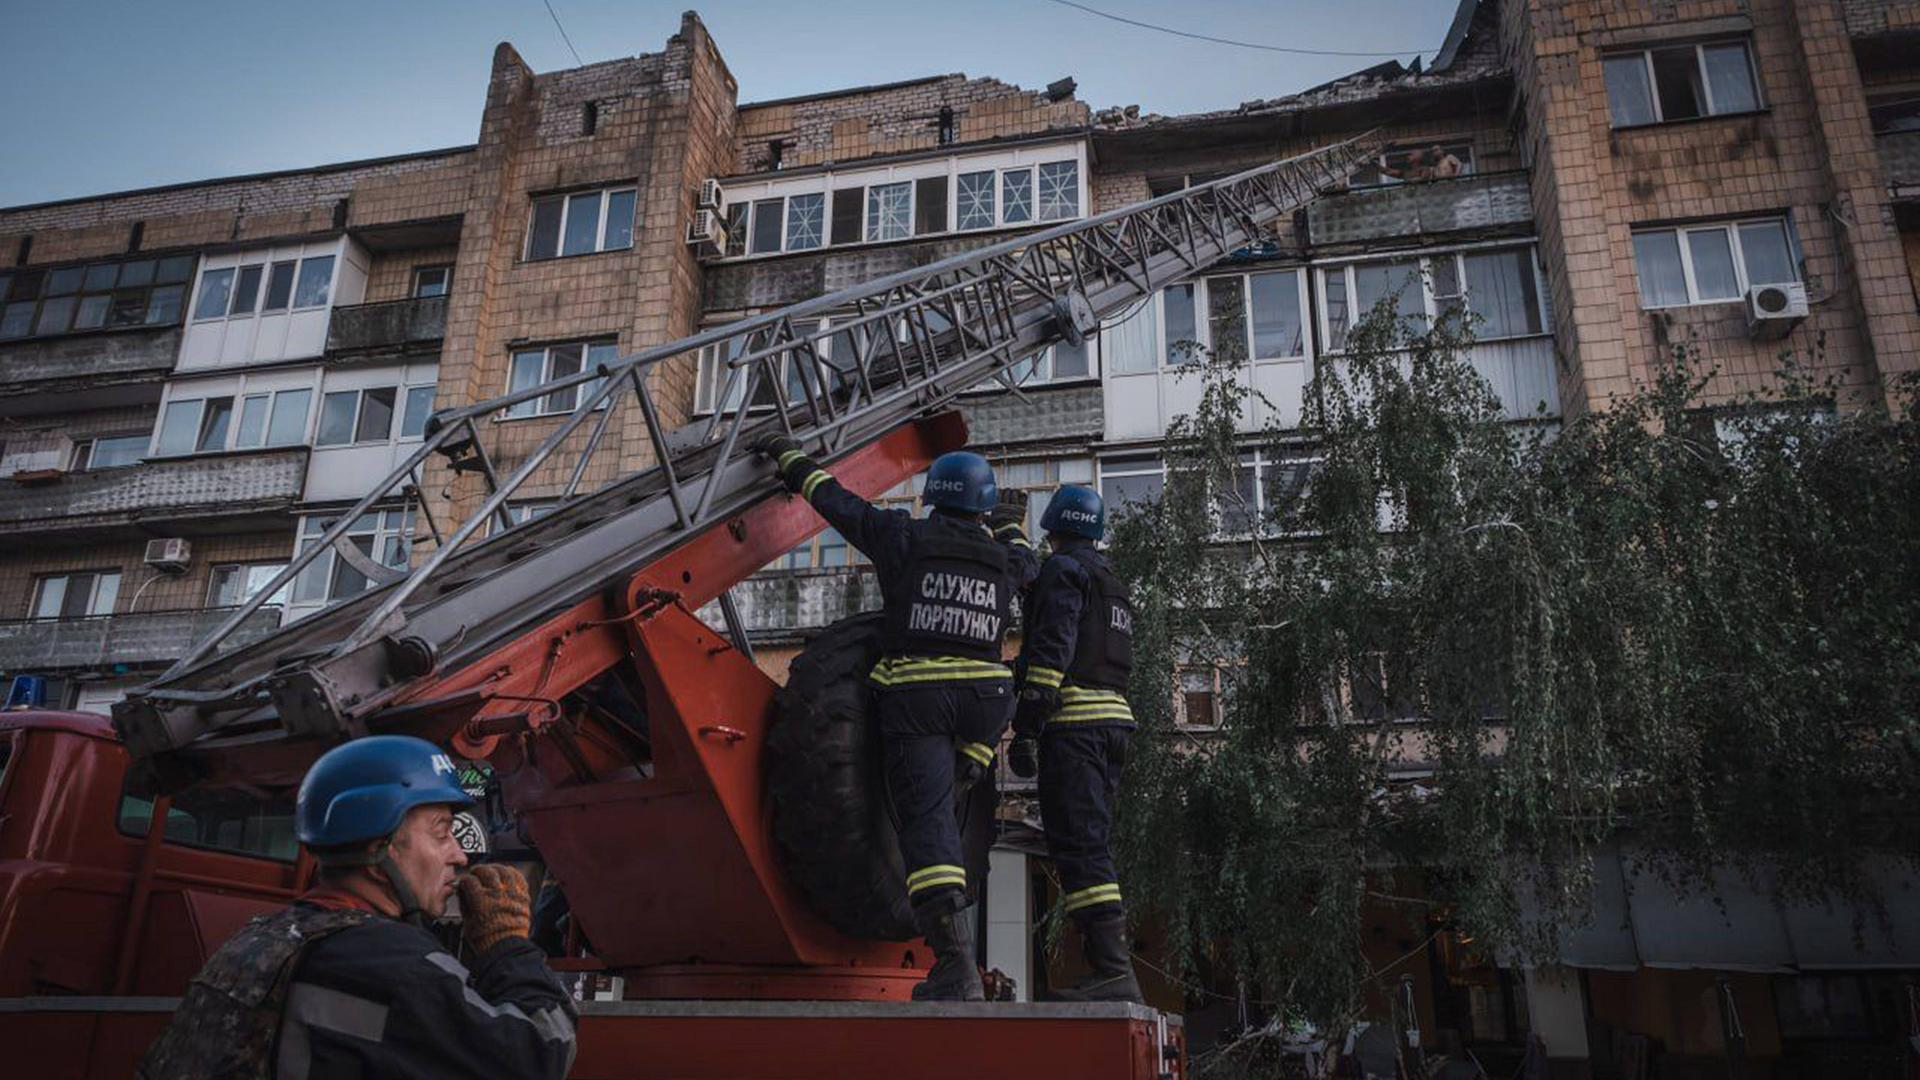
814, 479
899, 670
1084, 705
786, 459
1044, 676
1082, 695
979, 752
931, 877
1086, 898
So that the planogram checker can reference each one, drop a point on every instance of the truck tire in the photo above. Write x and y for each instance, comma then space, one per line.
832, 825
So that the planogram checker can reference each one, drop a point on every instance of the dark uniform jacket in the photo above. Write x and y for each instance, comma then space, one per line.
888, 537
372, 997
1058, 652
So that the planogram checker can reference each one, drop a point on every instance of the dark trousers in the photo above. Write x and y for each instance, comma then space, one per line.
921, 730
1079, 779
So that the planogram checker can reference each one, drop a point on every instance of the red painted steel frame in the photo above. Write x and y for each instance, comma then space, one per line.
672, 876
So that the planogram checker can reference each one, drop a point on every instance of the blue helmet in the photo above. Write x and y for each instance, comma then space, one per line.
1075, 509
358, 791
961, 481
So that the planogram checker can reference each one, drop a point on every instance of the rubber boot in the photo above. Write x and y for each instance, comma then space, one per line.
949, 932
1108, 952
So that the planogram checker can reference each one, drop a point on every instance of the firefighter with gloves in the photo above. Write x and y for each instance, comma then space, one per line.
348, 981
1072, 724
942, 691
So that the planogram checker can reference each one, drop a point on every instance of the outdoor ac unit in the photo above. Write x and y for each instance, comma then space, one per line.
1773, 310
707, 229
169, 556
711, 197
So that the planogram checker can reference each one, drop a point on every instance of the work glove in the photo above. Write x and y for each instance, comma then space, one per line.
1035, 705
1023, 757
494, 906
792, 462
1010, 511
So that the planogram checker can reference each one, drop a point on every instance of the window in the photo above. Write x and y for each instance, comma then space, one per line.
532, 367
974, 201
233, 584
1059, 363
1408, 164
348, 417
847, 211
383, 536
1680, 82
216, 290
1182, 333
1059, 190
246, 290
431, 281
109, 452
315, 282
1255, 316
413, 424
1707, 264
273, 419
195, 425
1496, 289
1016, 197
806, 221
580, 223
236, 292
826, 550
1201, 694
98, 296
765, 233
1131, 481
280, 286
245, 821
75, 595
930, 206
890, 211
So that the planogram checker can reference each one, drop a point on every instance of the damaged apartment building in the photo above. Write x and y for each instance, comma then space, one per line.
196, 380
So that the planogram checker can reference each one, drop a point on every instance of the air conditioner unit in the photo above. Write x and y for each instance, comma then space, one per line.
1773, 310
707, 230
711, 195
169, 556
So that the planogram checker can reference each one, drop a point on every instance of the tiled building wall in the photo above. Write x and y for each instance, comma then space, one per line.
894, 120
167, 592
1593, 184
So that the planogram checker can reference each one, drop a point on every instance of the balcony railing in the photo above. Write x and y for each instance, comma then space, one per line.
388, 326
98, 362
137, 638
158, 495
1422, 208
1900, 154
799, 602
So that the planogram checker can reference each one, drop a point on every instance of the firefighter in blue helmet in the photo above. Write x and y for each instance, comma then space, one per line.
943, 693
1072, 724
348, 981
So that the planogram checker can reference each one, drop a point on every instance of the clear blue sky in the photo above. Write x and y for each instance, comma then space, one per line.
104, 95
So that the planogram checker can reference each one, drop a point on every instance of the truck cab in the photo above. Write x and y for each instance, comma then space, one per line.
94, 899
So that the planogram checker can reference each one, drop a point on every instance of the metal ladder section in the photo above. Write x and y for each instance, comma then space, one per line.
892, 349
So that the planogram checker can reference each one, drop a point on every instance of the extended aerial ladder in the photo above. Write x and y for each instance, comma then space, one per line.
670, 872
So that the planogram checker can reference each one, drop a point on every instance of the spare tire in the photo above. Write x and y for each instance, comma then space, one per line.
833, 826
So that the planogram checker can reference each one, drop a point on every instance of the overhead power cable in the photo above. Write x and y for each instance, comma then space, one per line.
563, 33
1226, 41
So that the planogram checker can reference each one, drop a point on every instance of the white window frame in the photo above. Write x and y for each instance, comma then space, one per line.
266, 265
445, 270
710, 372
278, 599
388, 525
745, 195
65, 578
1732, 228
1113, 467
86, 451
1429, 303
1700, 65
1203, 325
566, 209
359, 407
536, 408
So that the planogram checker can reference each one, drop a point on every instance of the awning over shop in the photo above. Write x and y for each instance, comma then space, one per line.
1732, 924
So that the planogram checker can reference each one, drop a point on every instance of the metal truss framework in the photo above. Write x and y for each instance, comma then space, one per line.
836, 372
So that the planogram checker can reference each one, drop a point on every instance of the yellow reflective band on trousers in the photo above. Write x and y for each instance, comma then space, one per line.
909, 670
933, 877
981, 753
1079, 705
814, 479
1044, 676
787, 459
1088, 897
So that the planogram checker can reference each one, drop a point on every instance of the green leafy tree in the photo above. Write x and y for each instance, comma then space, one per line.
1630, 626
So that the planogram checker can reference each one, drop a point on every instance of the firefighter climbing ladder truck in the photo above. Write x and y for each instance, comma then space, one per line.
671, 873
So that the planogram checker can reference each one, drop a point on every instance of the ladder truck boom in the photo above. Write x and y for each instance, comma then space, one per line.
919, 337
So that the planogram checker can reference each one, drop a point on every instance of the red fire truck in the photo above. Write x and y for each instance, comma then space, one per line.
722, 840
